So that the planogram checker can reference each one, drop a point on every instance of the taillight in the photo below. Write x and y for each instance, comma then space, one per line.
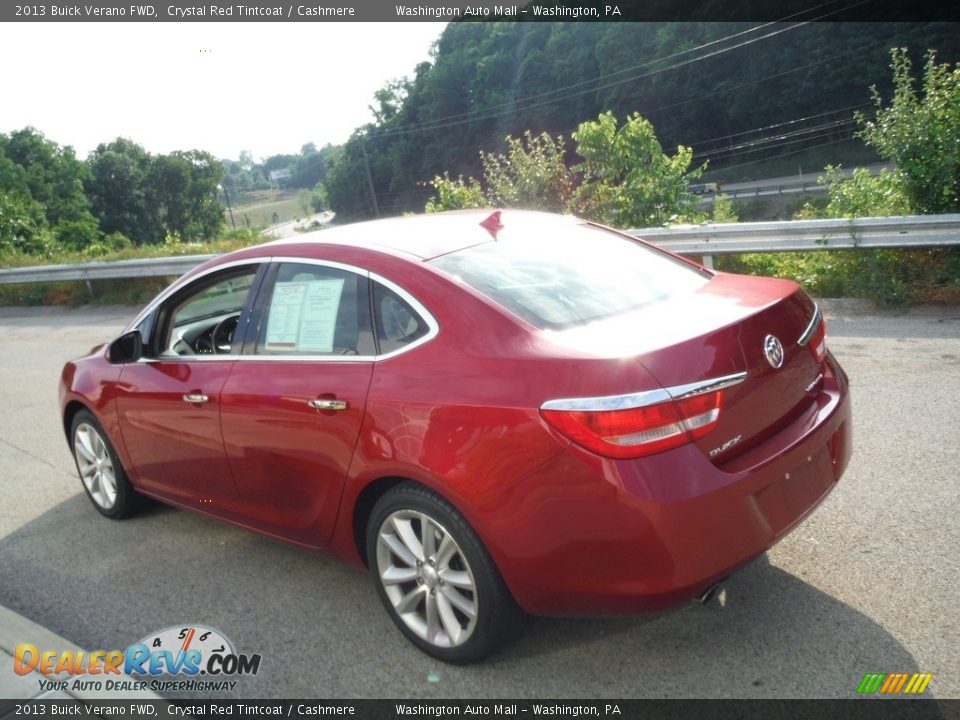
818, 341
815, 336
639, 431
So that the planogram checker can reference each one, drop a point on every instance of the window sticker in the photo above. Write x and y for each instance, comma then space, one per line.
303, 315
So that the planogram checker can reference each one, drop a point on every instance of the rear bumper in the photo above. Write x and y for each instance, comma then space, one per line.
587, 535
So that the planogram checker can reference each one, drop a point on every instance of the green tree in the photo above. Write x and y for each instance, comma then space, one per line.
22, 225
489, 80
389, 99
318, 198
184, 190
865, 195
920, 133
628, 181
455, 194
311, 165
120, 192
532, 174
303, 202
724, 210
37, 170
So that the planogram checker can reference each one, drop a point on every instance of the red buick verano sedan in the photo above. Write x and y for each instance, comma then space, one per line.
493, 412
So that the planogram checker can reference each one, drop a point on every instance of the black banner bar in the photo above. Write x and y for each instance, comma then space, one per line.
857, 709
475, 10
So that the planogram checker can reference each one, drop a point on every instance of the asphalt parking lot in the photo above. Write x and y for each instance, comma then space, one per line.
869, 583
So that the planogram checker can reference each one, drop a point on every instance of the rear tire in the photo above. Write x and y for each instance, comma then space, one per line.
435, 578
103, 477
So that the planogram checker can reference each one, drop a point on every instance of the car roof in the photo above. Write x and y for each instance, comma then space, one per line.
433, 234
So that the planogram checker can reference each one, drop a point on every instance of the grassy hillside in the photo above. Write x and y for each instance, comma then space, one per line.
262, 208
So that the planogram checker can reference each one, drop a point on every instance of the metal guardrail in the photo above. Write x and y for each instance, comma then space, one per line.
147, 267
905, 231
915, 231
808, 187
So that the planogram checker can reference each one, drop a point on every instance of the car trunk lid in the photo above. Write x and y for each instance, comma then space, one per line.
725, 329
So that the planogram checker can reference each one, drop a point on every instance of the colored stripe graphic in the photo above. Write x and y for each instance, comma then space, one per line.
894, 683
871, 683
918, 683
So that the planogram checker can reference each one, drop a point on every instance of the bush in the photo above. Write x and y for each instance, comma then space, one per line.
891, 278
114, 242
455, 194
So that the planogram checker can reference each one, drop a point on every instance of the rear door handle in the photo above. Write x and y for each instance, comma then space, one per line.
326, 404
196, 398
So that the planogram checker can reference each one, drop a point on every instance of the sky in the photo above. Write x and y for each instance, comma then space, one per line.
221, 87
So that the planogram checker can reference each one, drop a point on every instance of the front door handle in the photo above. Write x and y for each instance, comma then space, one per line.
326, 404
196, 398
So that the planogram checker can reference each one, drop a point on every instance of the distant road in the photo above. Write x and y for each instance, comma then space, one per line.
806, 183
291, 228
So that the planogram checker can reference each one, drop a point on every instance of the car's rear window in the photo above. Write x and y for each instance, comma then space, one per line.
569, 275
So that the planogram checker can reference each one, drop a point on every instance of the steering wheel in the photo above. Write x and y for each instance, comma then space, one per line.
222, 336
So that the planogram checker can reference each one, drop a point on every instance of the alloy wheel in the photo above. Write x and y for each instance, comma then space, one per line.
95, 465
427, 579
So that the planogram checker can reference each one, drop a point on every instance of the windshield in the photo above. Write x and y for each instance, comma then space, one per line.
572, 276
223, 298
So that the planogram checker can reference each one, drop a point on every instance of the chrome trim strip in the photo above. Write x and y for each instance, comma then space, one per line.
410, 299
432, 324
307, 358
206, 357
317, 261
418, 307
608, 402
180, 282
812, 327
631, 401
678, 392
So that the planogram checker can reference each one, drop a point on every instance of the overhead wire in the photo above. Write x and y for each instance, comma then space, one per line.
523, 105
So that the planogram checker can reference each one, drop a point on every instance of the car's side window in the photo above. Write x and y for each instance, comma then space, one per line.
398, 324
203, 319
316, 310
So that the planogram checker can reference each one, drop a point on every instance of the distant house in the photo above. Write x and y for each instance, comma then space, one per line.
280, 176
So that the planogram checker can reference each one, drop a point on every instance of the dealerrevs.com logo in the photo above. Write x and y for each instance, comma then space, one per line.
182, 658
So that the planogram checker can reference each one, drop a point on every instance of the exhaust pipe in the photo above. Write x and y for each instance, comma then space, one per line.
708, 594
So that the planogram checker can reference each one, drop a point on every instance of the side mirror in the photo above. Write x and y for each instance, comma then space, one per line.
127, 348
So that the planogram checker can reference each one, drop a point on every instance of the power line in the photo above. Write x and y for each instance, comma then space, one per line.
781, 124
784, 144
431, 126
560, 90
609, 76
772, 140
523, 104
784, 155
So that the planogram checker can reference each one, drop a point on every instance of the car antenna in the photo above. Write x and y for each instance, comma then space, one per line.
492, 224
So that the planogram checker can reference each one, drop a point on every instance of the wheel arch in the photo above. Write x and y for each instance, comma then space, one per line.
70, 411
378, 487
363, 506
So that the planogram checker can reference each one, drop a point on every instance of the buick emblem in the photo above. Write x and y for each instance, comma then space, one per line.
773, 351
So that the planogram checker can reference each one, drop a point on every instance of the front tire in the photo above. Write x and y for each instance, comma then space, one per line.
435, 578
104, 479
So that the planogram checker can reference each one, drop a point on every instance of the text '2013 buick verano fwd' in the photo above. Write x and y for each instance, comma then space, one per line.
494, 412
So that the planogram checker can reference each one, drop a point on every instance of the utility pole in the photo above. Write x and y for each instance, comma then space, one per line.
366, 167
229, 208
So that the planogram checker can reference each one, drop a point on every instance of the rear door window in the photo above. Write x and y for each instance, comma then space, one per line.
398, 323
316, 310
